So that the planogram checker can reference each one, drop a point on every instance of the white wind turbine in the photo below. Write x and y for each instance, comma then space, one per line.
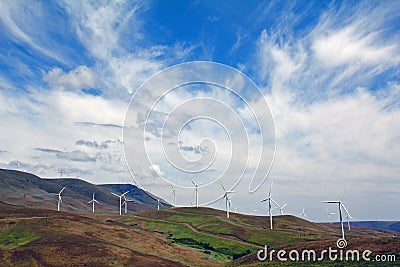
120, 200
281, 208
59, 198
254, 211
330, 215
158, 204
270, 200
196, 187
340, 206
93, 201
235, 209
303, 213
174, 194
227, 200
125, 204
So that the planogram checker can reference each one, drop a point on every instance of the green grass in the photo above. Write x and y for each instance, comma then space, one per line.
16, 237
216, 225
183, 235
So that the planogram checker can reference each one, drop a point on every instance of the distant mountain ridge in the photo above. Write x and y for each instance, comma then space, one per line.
386, 225
25, 189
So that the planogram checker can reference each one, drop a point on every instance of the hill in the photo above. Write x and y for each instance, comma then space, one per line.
26, 189
40, 237
175, 237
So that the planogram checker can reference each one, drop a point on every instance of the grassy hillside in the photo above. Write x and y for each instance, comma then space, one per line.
27, 238
177, 237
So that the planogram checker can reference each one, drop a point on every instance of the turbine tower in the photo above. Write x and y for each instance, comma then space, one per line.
59, 198
227, 200
120, 200
174, 194
158, 204
125, 204
270, 200
196, 187
93, 201
340, 206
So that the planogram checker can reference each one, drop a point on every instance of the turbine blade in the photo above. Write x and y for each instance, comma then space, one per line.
223, 187
270, 188
275, 202
125, 193
345, 209
193, 182
62, 190
114, 194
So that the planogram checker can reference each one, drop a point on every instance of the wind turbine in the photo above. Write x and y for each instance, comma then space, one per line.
227, 200
330, 215
282, 207
93, 201
158, 204
253, 211
174, 194
59, 198
303, 213
62, 171
340, 206
270, 200
120, 200
196, 187
235, 209
126, 203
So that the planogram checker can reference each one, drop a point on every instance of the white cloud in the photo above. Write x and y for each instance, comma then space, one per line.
336, 128
79, 78
348, 46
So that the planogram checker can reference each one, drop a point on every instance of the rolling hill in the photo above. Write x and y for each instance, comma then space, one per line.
26, 189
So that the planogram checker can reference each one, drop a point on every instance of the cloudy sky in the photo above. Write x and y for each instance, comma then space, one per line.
328, 70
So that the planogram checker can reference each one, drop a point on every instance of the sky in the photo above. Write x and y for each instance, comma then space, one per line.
326, 71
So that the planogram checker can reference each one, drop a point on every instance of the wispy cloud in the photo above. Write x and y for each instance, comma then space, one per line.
328, 91
86, 123
18, 17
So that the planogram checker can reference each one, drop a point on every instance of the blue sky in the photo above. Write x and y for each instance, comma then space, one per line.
328, 69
